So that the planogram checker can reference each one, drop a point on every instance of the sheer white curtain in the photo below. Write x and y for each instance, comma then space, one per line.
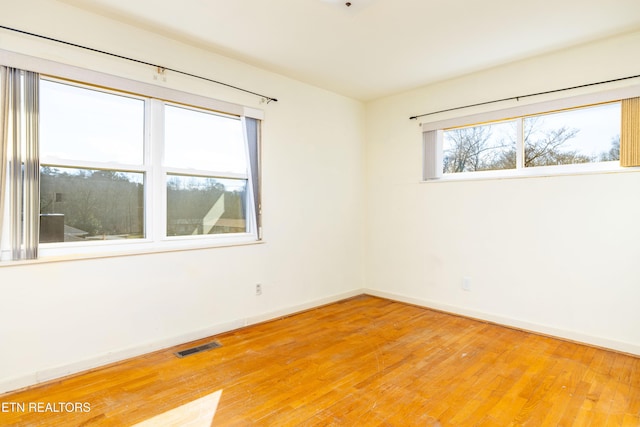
252, 133
20, 187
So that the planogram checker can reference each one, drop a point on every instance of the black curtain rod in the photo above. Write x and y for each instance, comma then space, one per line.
517, 98
159, 67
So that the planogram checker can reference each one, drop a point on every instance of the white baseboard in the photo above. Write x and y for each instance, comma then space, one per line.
302, 307
569, 335
48, 374
18, 382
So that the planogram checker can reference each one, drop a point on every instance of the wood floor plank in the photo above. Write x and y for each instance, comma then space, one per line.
365, 361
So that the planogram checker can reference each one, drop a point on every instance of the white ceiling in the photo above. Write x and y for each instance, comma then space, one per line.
377, 47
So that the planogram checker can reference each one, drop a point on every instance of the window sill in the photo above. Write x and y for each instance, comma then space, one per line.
536, 172
85, 252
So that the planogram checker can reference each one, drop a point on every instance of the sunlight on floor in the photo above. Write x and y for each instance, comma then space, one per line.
198, 413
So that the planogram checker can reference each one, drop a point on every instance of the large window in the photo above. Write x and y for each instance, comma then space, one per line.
121, 169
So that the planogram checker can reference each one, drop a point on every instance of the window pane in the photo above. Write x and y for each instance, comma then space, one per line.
204, 141
584, 135
477, 148
86, 204
199, 205
84, 124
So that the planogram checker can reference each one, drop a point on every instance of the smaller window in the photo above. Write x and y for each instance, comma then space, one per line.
582, 135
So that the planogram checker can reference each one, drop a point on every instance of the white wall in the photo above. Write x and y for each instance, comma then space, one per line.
556, 255
57, 318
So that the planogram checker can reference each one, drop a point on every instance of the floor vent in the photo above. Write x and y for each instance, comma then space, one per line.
198, 349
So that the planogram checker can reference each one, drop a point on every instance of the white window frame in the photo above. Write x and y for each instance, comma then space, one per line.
155, 97
432, 131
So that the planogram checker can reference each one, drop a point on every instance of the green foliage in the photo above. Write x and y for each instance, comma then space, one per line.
94, 202
192, 199
108, 204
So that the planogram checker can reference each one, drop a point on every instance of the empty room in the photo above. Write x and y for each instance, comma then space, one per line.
319, 212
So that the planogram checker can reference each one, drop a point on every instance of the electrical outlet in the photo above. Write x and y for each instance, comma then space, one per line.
466, 283
258, 289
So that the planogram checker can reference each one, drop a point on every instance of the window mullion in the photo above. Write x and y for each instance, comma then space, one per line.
520, 143
154, 155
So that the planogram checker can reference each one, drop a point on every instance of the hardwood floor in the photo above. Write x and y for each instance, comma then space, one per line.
360, 362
